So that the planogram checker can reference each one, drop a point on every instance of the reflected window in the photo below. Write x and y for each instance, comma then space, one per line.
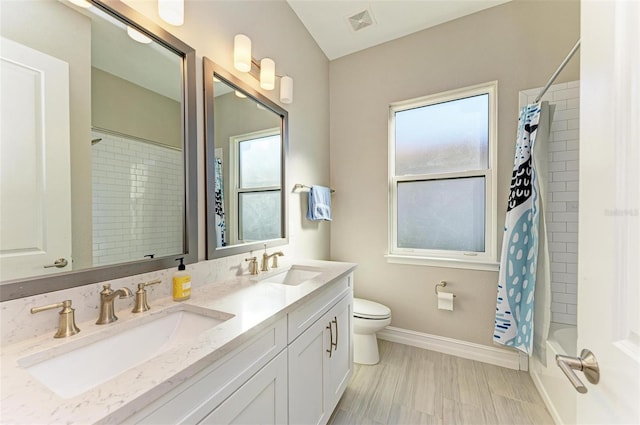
257, 185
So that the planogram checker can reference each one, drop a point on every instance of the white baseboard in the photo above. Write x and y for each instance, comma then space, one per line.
468, 350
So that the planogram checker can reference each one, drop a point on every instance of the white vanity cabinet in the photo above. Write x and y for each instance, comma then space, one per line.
321, 358
293, 371
231, 387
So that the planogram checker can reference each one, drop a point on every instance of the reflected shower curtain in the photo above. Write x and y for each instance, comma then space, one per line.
518, 263
221, 226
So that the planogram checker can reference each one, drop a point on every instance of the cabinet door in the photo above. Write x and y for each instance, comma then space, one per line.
261, 400
340, 364
319, 371
306, 375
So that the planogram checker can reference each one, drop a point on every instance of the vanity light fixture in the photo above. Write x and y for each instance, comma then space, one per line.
137, 35
264, 71
171, 11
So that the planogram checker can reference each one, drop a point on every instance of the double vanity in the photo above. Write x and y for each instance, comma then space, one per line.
270, 348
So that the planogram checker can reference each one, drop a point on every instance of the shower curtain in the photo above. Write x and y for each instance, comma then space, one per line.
221, 226
514, 320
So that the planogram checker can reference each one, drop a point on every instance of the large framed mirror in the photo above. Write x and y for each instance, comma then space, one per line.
246, 142
98, 146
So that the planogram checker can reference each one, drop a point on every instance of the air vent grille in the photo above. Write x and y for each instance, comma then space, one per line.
361, 20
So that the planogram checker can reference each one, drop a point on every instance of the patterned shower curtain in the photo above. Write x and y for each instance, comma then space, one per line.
221, 226
518, 263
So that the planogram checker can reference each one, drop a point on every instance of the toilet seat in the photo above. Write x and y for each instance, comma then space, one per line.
371, 310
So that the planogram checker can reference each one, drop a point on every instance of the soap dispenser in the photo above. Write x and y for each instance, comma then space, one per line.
181, 282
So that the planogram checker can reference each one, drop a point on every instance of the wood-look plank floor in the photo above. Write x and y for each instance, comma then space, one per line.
415, 386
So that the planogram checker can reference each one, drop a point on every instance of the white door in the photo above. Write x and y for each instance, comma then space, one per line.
609, 216
35, 191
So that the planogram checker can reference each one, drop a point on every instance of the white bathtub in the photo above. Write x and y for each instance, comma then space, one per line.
555, 389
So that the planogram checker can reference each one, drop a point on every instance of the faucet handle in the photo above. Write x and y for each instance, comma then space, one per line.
67, 324
274, 262
253, 265
141, 304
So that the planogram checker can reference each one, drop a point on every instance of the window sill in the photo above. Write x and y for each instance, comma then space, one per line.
452, 263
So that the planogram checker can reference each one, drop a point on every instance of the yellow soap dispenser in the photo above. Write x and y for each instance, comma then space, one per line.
181, 282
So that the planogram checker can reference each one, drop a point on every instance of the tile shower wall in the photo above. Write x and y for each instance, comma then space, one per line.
562, 205
137, 199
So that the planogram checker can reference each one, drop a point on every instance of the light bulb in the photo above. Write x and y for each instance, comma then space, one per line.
81, 3
242, 53
267, 74
137, 35
171, 11
286, 89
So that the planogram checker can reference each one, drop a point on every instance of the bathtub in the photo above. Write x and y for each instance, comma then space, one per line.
557, 392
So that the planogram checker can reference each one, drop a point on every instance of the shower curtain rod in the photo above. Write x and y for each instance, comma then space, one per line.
558, 71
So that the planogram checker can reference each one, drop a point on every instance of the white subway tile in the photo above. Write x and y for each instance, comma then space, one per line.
566, 94
565, 298
565, 176
568, 319
558, 307
564, 257
568, 114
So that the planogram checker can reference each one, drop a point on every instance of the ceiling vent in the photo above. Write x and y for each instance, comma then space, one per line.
361, 20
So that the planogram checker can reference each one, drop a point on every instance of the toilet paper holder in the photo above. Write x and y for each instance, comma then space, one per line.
442, 284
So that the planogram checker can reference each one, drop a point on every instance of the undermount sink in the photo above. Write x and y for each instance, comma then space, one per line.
84, 367
293, 276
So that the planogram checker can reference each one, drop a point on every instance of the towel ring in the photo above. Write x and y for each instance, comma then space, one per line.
442, 284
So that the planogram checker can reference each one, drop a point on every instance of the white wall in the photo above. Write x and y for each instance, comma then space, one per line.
561, 205
519, 44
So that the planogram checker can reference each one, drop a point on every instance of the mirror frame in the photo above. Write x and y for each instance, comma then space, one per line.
211, 69
20, 288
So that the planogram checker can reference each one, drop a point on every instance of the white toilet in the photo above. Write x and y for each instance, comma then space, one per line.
368, 318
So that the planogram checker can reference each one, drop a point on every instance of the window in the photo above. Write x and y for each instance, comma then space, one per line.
442, 162
256, 201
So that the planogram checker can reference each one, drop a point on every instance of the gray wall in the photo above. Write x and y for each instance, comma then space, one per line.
519, 44
121, 106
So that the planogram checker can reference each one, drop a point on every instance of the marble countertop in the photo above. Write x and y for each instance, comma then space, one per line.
253, 305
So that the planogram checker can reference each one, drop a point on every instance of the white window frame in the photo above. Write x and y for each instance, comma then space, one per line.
234, 180
486, 260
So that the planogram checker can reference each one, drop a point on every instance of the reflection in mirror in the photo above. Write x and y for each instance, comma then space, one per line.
102, 183
246, 145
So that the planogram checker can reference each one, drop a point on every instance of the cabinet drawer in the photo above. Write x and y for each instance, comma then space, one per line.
194, 399
305, 315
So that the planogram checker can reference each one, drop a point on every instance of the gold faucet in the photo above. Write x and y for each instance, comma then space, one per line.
265, 259
67, 325
107, 296
141, 296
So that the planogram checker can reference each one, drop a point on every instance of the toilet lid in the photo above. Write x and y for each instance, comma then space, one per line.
370, 310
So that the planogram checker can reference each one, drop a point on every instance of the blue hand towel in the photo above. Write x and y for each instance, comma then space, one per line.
319, 203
